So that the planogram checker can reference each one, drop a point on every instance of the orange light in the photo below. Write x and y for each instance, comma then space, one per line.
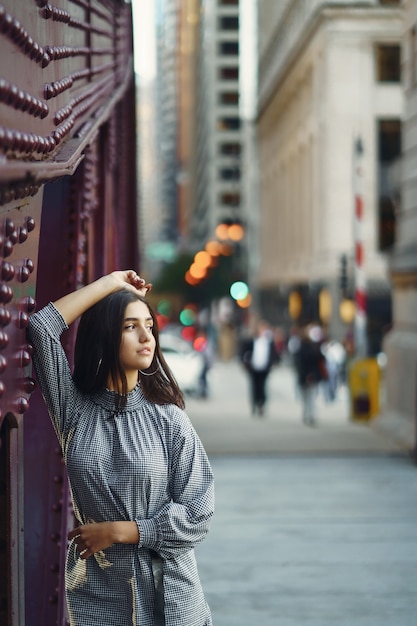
222, 232
190, 279
213, 248
245, 302
197, 272
200, 344
295, 305
226, 249
236, 232
202, 259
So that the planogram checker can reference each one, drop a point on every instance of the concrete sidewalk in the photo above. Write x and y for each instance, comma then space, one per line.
313, 526
313, 541
226, 426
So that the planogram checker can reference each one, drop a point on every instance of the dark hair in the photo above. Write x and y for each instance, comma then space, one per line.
97, 353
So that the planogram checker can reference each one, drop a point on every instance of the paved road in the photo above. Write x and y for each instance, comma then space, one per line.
313, 526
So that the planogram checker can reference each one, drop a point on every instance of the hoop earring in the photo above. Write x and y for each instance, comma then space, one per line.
149, 373
99, 365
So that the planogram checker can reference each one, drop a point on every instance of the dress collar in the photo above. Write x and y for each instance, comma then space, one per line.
107, 399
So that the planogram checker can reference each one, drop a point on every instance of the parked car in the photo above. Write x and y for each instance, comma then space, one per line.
185, 363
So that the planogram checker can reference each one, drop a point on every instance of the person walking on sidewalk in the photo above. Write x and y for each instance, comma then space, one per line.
258, 354
141, 483
310, 367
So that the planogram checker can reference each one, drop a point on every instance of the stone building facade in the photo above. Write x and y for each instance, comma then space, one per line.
328, 75
401, 343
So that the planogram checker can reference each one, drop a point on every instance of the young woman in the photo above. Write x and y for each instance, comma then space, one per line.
141, 483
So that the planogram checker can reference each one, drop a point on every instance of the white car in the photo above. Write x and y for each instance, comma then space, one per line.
185, 363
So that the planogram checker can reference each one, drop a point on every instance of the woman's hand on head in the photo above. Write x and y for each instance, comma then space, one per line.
129, 279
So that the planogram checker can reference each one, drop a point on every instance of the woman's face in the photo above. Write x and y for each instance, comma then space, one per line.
138, 343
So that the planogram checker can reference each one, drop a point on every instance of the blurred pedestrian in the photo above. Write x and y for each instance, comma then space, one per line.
310, 368
203, 345
335, 356
258, 354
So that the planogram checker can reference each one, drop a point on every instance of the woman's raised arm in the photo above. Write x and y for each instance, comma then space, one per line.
75, 303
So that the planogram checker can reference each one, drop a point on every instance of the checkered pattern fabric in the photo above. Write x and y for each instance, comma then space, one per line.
147, 464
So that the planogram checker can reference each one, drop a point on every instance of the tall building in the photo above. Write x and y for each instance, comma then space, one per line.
401, 343
219, 136
166, 110
329, 75
157, 36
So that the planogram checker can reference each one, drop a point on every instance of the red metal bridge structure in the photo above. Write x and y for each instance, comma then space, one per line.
68, 214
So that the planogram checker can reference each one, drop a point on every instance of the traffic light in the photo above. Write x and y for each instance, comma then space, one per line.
343, 277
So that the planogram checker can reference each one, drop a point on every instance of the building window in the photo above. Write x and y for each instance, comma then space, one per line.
230, 199
389, 153
229, 173
229, 98
413, 57
390, 3
228, 123
229, 23
229, 48
230, 149
388, 63
229, 73
223, 3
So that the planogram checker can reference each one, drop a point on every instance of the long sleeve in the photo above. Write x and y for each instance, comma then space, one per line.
51, 366
183, 522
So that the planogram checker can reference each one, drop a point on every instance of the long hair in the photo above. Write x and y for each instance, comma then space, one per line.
97, 353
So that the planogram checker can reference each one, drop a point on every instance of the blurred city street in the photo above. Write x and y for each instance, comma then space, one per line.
225, 424
313, 525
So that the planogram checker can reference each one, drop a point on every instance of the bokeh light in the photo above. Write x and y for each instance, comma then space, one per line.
202, 259
236, 232
222, 232
197, 272
213, 248
164, 307
239, 290
245, 303
188, 333
200, 344
190, 279
187, 317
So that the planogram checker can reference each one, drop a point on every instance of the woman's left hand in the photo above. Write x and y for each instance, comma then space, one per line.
91, 538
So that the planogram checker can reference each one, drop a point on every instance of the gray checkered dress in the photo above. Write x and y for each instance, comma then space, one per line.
147, 464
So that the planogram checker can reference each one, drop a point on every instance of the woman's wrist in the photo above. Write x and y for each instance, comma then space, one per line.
126, 532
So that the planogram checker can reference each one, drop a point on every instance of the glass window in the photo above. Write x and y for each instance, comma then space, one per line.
413, 57
229, 23
230, 149
223, 3
228, 123
229, 173
390, 3
230, 199
229, 73
388, 63
389, 153
229, 48
229, 98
